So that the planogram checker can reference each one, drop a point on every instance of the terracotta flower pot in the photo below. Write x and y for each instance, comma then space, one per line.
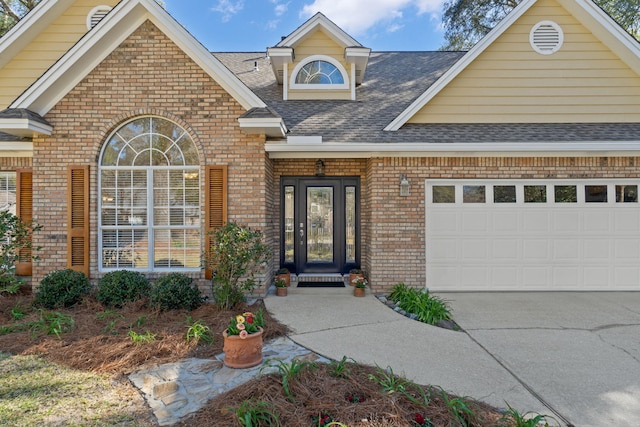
281, 292
242, 353
354, 276
286, 277
358, 292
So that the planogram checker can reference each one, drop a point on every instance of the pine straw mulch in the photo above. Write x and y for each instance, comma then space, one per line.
101, 344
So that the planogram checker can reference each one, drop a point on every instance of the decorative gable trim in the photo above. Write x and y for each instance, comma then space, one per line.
319, 20
125, 18
594, 18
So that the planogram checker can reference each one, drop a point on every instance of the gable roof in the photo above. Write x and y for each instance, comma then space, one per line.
586, 11
118, 24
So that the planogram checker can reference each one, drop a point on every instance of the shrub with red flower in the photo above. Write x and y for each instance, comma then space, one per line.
246, 324
421, 421
354, 398
322, 419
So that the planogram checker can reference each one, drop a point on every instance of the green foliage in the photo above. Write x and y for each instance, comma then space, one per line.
467, 21
257, 413
342, 368
52, 323
288, 371
62, 288
237, 254
140, 339
116, 288
196, 331
110, 327
175, 291
18, 312
513, 418
459, 409
391, 383
248, 322
428, 308
15, 236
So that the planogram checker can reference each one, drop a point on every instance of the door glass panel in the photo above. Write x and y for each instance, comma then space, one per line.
535, 194
504, 194
319, 224
289, 223
473, 194
444, 194
350, 224
566, 194
595, 193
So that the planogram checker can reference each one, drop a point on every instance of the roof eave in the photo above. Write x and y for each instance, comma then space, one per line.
24, 128
271, 127
281, 150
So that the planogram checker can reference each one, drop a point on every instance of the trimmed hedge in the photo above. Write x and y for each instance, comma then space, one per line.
175, 291
62, 288
117, 288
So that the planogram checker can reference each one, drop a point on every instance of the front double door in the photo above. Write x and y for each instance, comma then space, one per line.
320, 224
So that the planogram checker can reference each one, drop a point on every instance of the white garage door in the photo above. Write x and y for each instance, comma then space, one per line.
532, 235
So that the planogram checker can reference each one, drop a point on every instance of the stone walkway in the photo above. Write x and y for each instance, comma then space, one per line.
175, 390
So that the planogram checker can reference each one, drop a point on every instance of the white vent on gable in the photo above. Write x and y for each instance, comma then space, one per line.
96, 15
546, 37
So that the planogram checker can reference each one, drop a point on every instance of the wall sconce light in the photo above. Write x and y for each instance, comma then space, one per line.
319, 167
404, 186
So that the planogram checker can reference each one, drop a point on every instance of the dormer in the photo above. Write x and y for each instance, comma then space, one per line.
319, 61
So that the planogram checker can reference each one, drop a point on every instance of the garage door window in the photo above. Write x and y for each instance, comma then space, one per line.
473, 194
626, 193
504, 193
535, 194
595, 193
565, 194
443, 194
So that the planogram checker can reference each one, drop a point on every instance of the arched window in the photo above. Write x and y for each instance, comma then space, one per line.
149, 198
319, 72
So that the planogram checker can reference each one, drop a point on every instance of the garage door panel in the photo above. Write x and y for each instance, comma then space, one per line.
505, 249
534, 243
567, 222
596, 249
535, 249
627, 249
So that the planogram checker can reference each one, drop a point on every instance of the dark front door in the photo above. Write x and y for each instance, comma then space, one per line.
320, 224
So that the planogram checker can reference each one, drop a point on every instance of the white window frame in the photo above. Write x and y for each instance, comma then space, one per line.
150, 227
332, 61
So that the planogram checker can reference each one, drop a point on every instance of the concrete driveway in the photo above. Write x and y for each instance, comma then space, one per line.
577, 352
574, 356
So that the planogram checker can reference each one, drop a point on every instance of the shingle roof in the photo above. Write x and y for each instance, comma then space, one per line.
22, 113
393, 81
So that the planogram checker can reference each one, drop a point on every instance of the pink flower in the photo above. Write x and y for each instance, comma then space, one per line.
240, 326
243, 334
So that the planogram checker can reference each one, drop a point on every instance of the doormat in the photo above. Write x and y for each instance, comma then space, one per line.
321, 284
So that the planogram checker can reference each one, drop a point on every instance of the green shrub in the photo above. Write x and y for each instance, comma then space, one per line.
62, 288
175, 291
117, 288
428, 308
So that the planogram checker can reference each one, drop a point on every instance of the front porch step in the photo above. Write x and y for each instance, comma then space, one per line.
307, 277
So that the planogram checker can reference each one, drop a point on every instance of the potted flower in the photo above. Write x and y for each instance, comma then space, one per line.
281, 287
243, 340
355, 274
284, 274
359, 284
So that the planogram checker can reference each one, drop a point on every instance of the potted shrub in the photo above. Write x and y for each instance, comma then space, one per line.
243, 340
355, 274
285, 275
359, 285
281, 287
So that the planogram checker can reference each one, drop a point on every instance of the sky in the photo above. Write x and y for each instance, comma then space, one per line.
254, 25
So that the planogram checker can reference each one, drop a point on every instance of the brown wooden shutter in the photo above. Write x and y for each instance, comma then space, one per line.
24, 210
215, 205
78, 218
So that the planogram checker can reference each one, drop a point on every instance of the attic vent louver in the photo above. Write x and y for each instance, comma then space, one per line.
96, 15
546, 37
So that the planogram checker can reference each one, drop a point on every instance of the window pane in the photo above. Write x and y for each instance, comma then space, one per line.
473, 194
626, 193
566, 194
535, 194
319, 72
444, 193
504, 194
128, 200
350, 213
595, 193
8, 192
289, 226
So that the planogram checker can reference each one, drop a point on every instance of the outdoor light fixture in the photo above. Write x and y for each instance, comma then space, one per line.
404, 186
319, 167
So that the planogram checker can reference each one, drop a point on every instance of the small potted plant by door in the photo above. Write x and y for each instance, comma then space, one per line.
359, 286
355, 274
285, 275
281, 287
243, 340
